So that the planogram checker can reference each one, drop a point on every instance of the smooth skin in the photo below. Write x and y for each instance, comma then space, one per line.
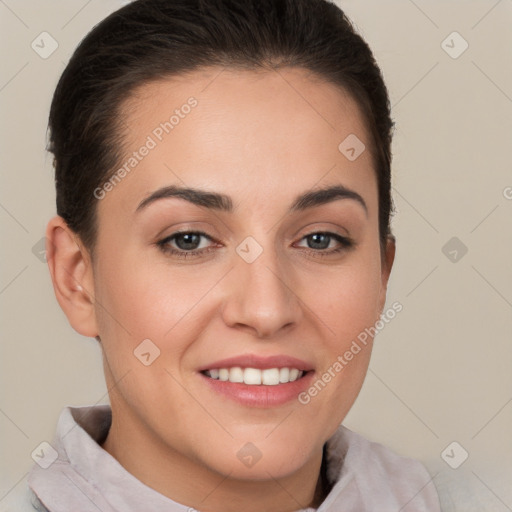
262, 138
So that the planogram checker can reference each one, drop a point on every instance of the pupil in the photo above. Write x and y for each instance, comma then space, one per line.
319, 241
191, 240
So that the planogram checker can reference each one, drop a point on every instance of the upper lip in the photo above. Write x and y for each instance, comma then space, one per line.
260, 362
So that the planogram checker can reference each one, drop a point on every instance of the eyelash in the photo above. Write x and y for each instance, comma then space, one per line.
345, 244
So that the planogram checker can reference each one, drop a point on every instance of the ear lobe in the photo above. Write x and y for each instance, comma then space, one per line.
71, 272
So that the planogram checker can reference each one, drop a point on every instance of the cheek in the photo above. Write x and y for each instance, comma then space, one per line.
348, 305
140, 299
348, 300
137, 293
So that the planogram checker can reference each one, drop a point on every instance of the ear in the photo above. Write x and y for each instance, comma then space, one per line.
71, 271
388, 257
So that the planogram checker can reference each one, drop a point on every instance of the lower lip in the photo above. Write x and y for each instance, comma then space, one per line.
260, 396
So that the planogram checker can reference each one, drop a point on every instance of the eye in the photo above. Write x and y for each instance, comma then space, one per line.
322, 240
186, 244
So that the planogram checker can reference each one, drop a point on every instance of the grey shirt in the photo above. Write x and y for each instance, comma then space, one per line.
75, 473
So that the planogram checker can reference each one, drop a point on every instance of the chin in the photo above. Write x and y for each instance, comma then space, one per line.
261, 459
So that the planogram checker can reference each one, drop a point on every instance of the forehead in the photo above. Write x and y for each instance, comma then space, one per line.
266, 131
227, 94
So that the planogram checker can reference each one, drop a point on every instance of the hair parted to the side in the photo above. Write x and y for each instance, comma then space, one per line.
153, 39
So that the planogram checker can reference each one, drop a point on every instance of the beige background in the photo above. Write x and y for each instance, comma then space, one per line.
441, 371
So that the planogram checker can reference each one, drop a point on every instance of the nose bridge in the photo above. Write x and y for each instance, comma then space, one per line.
262, 296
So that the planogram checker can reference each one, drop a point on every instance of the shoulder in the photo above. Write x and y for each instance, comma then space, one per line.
22, 499
375, 477
377, 460
461, 490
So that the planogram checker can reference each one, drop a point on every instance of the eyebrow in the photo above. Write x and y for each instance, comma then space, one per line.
222, 202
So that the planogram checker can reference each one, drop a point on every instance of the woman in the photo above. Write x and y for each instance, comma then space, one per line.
223, 231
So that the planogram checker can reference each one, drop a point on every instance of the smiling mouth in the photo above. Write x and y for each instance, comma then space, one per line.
255, 376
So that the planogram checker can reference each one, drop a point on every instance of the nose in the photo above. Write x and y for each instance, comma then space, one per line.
261, 298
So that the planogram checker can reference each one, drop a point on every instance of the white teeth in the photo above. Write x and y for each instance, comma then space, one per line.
252, 376
236, 374
294, 374
255, 376
270, 377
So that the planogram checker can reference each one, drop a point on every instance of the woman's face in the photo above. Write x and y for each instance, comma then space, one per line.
267, 273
